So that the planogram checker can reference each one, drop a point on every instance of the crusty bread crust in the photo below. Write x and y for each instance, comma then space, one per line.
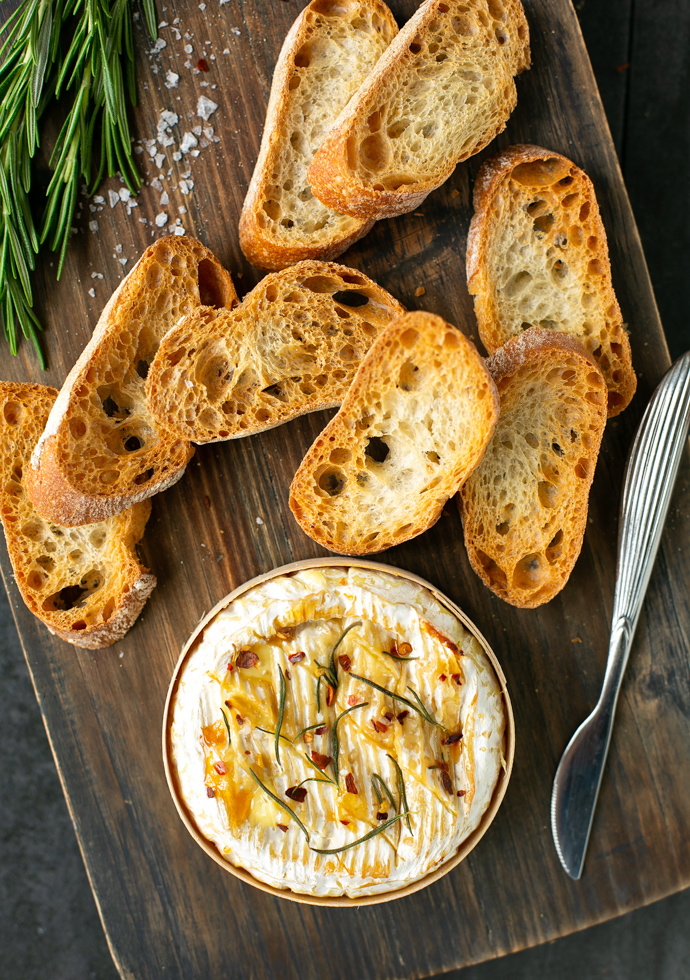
86, 583
101, 450
412, 427
291, 347
524, 509
326, 55
537, 255
440, 93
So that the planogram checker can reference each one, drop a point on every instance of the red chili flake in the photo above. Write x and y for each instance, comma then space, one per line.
295, 658
320, 761
402, 716
450, 739
220, 768
442, 765
345, 662
321, 730
382, 816
210, 792
282, 827
247, 752
230, 667
247, 659
379, 726
389, 716
288, 675
394, 649
457, 678
447, 785
350, 784
202, 64
352, 699
345, 823
405, 649
207, 501
330, 696
239, 719
228, 704
442, 677
296, 793
460, 792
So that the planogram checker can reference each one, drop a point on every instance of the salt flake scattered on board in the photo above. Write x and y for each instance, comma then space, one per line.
205, 108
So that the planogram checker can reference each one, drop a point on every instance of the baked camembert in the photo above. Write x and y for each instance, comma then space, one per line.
336, 731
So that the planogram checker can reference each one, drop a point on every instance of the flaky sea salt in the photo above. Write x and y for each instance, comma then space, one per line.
188, 49
185, 186
205, 108
158, 46
124, 193
92, 292
189, 140
164, 199
180, 231
113, 198
96, 275
93, 226
161, 220
171, 79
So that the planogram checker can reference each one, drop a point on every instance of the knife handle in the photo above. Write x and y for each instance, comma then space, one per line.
649, 478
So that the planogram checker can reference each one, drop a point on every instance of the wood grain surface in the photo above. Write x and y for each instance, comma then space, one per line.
167, 909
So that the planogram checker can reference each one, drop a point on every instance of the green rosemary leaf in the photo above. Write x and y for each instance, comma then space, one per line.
394, 656
227, 727
280, 803
377, 781
281, 712
318, 695
326, 672
267, 731
150, 15
335, 744
309, 728
314, 779
41, 54
401, 790
423, 711
419, 708
361, 840
311, 763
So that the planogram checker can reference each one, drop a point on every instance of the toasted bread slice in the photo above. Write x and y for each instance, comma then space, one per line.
85, 583
537, 256
329, 51
524, 508
439, 94
101, 450
291, 347
412, 427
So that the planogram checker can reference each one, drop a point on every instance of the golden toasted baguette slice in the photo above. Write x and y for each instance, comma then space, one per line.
524, 508
329, 51
291, 347
537, 256
439, 94
85, 583
412, 427
101, 450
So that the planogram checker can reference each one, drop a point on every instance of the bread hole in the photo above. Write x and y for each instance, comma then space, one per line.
554, 548
108, 609
272, 209
46, 562
294, 82
77, 427
531, 440
320, 380
559, 270
303, 57
616, 400
111, 403
97, 537
132, 443
144, 477
434, 457
569, 200
343, 314
503, 528
410, 377
543, 223
495, 575
275, 391
409, 338
339, 456
582, 469
539, 173
596, 397
584, 211
287, 223
75, 596
33, 530
547, 493
415, 47
377, 450
535, 207
374, 152
142, 368
443, 8
330, 8
347, 353
215, 373
592, 242
12, 412
331, 481
462, 26
371, 537
617, 350
374, 121
348, 297
396, 129
517, 283
548, 324
324, 284
560, 241
529, 572
501, 35
557, 449
36, 579
496, 10
262, 415
76, 555
13, 489
507, 444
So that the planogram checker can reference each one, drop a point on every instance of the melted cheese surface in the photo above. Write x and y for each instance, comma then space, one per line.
226, 709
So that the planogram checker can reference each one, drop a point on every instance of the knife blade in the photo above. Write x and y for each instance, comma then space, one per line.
650, 474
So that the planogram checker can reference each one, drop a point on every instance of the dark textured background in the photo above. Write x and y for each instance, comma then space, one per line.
49, 927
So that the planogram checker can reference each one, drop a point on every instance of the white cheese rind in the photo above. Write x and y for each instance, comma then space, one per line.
321, 603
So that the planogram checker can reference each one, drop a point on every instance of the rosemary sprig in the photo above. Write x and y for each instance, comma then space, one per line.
361, 840
304, 754
377, 781
335, 744
281, 713
227, 727
395, 656
280, 803
314, 779
331, 671
401, 790
419, 707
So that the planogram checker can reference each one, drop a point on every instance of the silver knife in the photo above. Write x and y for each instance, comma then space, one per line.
649, 478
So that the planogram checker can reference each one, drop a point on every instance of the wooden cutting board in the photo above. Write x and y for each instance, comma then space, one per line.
167, 909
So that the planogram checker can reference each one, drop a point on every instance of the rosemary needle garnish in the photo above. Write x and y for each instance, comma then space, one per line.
377, 781
331, 672
280, 803
419, 707
401, 790
361, 840
304, 754
281, 712
335, 744
395, 656
227, 727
